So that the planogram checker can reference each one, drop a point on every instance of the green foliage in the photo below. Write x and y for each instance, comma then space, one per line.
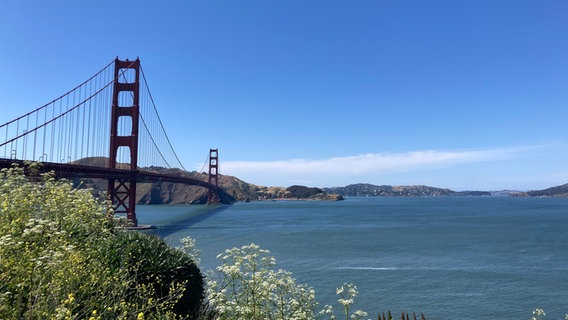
62, 258
245, 286
152, 262
303, 192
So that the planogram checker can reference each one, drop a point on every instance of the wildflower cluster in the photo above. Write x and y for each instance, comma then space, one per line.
347, 294
539, 314
189, 246
245, 286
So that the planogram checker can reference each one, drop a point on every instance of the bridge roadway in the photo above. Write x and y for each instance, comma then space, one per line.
66, 170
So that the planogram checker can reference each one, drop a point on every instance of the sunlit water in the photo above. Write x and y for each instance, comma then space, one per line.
449, 257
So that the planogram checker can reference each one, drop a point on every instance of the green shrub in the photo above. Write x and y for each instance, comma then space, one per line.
151, 261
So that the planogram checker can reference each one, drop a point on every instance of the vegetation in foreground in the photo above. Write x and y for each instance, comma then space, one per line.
62, 257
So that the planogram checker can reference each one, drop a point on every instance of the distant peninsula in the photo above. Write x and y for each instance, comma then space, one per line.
370, 190
558, 191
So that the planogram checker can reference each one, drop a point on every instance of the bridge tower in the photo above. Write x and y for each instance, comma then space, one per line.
213, 195
125, 106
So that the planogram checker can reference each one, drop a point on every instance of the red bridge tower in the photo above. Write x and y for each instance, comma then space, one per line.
213, 195
122, 191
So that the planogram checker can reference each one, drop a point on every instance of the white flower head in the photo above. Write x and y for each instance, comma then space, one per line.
339, 290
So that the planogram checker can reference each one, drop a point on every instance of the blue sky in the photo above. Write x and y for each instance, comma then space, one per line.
467, 95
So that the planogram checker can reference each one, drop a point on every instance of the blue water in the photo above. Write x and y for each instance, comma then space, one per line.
449, 257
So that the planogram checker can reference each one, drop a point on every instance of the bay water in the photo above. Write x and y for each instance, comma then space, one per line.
448, 257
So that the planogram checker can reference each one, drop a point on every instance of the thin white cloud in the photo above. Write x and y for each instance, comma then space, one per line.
465, 169
368, 163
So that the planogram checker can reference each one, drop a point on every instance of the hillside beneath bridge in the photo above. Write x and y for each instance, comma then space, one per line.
176, 193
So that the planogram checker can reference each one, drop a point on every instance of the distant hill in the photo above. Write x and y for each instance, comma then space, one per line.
370, 190
175, 193
558, 191
171, 193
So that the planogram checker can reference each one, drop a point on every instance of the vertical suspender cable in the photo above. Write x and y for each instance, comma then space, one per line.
76, 137
16, 147
44, 136
35, 137
60, 137
83, 129
88, 153
97, 125
53, 129
68, 130
160, 121
26, 137
63, 141
5, 140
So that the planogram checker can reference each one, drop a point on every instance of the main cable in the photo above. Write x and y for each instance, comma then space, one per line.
160, 120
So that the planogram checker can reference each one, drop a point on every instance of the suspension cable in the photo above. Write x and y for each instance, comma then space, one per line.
160, 120
147, 127
59, 116
205, 165
63, 95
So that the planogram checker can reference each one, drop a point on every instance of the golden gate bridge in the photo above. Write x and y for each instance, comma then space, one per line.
107, 127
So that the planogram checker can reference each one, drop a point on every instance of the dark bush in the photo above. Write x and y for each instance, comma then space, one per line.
153, 262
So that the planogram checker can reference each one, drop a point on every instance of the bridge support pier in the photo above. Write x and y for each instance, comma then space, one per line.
124, 198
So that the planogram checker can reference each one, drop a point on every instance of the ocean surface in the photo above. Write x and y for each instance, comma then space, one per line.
449, 257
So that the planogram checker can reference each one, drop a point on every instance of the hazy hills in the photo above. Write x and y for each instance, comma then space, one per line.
558, 191
175, 193
370, 190
171, 193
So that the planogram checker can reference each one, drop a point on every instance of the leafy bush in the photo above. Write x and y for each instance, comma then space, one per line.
152, 262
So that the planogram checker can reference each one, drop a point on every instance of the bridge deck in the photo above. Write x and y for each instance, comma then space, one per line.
66, 170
